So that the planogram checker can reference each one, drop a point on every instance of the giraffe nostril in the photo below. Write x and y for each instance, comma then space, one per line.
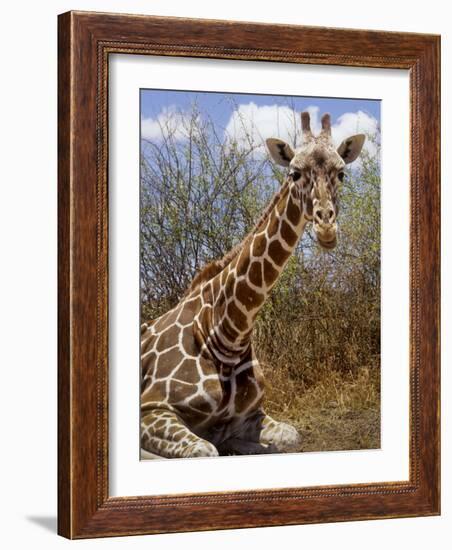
330, 214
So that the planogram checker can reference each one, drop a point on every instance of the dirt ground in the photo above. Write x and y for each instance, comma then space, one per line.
340, 412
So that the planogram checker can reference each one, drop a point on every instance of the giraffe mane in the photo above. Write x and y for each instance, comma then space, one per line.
211, 269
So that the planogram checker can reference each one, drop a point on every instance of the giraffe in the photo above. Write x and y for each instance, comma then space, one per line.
202, 388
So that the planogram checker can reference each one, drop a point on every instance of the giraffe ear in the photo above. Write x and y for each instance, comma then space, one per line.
351, 147
279, 151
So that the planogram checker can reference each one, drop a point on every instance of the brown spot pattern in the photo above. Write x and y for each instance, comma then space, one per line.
167, 320
216, 286
229, 286
243, 263
270, 273
148, 363
281, 206
237, 317
278, 254
247, 296
168, 338
188, 371
199, 403
220, 309
179, 390
188, 311
168, 360
147, 343
156, 392
207, 294
293, 212
273, 226
188, 342
259, 244
288, 234
212, 387
176, 433
159, 424
255, 273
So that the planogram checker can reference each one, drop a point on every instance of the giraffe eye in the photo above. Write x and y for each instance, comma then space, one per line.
295, 175
341, 176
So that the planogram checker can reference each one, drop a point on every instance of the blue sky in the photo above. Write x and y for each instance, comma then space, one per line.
256, 117
220, 105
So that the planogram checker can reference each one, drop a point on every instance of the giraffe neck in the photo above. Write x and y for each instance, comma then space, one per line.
239, 291
216, 266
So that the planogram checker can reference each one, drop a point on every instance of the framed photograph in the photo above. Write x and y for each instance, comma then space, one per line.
248, 275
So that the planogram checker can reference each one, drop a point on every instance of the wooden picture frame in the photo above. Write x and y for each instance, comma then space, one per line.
85, 42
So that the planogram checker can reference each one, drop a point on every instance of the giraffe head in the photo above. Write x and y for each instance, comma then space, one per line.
316, 167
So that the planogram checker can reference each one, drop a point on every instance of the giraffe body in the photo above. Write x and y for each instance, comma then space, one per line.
189, 385
202, 386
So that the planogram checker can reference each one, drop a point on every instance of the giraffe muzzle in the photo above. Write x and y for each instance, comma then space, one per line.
326, 235
328, 245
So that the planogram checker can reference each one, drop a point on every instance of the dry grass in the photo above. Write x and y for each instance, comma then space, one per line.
320, 352
339, 411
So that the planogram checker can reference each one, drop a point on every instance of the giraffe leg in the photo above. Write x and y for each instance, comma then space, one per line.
260, 434
163, 433
240, 446
278, 434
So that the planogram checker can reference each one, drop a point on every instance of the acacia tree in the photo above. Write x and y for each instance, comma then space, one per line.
200, 194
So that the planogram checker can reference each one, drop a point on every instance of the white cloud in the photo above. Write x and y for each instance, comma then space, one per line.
349, 124
251, 123
169, 121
